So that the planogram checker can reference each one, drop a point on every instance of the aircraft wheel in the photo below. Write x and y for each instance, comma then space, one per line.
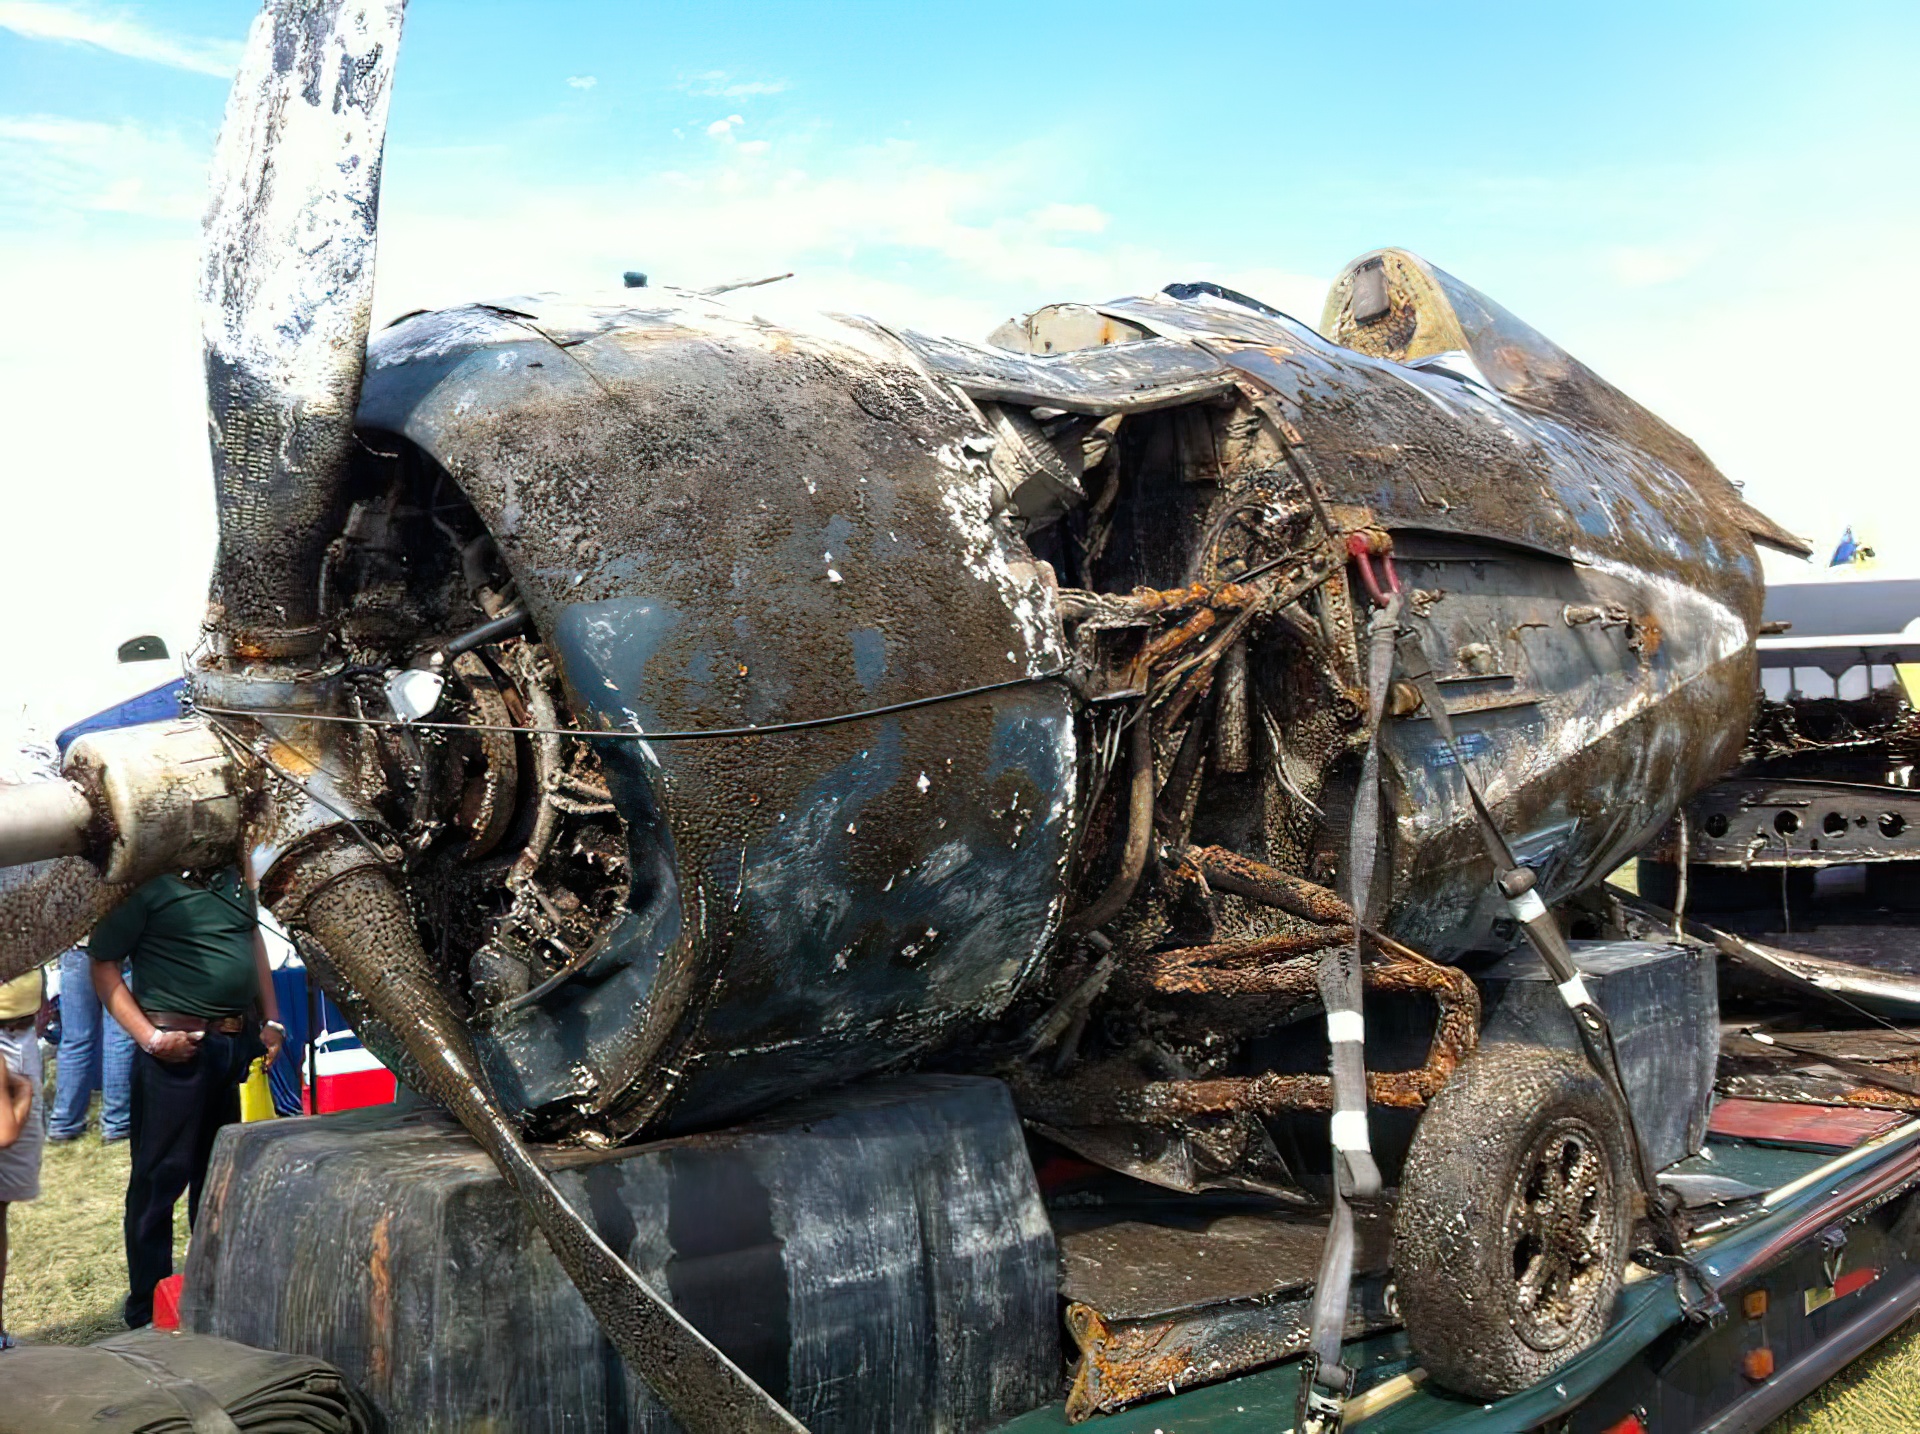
1514, 1223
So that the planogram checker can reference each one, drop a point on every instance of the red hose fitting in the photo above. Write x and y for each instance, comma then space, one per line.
1363, 547
1361, 551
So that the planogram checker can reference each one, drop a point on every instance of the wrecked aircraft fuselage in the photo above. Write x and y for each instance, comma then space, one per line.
713, 522
643, 713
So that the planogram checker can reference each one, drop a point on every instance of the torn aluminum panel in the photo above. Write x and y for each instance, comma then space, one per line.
1859, 988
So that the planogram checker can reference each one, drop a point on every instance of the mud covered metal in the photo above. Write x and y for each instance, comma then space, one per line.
721, 524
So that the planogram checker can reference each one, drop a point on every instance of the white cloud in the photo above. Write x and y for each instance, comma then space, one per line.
582, 82
718, 83
109, 528
1070, 219
882, 229
118, 34
1639, 266
53, 169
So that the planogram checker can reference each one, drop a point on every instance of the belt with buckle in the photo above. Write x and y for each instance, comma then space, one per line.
178, 1021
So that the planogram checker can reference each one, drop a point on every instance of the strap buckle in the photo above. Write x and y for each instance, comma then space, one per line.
1699, 1302
1324, 1391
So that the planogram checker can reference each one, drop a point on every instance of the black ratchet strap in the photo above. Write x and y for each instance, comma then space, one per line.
1326, 1381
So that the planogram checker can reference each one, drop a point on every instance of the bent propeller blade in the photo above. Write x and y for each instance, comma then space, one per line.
286, 295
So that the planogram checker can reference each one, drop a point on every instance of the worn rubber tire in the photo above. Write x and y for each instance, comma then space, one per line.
1517, 1165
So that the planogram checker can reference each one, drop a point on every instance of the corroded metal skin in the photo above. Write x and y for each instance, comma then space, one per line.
716, 523
1582, 736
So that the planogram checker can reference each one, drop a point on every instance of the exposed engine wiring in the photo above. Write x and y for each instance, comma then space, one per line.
1058, 674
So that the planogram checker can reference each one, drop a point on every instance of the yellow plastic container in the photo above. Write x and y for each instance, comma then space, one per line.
256, 1096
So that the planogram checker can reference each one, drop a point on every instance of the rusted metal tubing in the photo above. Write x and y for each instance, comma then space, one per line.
1168, 643
1456, 1031
1174, 806
42, 820
1234, 968
1133, 858
1164, 1102
1306, 571
1256, 881
1244, 950
1116, 609
1097, 1098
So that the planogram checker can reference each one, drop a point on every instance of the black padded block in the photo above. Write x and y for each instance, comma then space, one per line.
878, 1259
1663, 1003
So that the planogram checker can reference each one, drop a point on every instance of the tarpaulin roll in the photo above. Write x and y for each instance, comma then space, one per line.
146, 1382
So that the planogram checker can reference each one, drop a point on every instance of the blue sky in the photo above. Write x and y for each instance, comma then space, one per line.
1710, 203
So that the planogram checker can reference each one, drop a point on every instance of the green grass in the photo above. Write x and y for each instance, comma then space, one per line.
68, 1275
67, 1262
1879, 1392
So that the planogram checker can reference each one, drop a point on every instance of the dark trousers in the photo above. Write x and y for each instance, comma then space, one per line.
177, 1110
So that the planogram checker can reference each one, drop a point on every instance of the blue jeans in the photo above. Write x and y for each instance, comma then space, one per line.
95, 1054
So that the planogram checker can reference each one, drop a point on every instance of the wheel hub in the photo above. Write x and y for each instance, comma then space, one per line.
1556, 1230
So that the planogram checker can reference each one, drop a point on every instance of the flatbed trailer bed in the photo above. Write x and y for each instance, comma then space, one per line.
1826, 1266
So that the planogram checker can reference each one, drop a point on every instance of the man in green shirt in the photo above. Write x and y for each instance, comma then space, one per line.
200, 974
